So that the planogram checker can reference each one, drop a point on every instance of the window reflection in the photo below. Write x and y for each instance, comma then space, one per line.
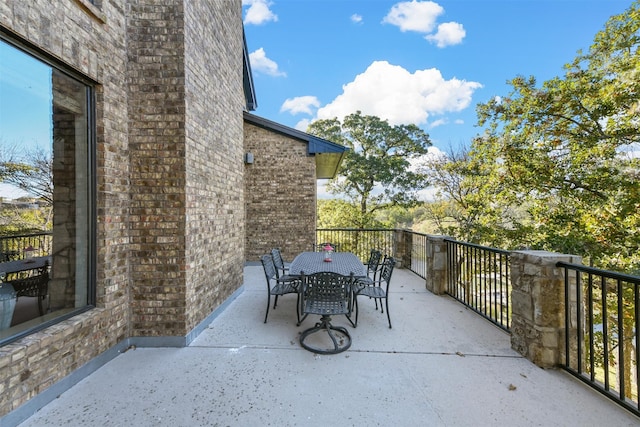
44, 192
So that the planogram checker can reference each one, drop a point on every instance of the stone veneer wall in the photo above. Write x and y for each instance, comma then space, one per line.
160, 229
280, 191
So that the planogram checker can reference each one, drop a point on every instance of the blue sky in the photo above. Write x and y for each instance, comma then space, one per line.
422, 62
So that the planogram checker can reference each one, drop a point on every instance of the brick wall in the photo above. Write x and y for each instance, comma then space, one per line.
214, 153
78, 35
169, 172
280, 194
158, 170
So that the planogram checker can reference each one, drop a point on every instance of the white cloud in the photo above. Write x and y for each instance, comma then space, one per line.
393, 93
417, 16
303, 125
437, 123
421, 17
258, 12
356, 18
262, 64
300, 104
448, 34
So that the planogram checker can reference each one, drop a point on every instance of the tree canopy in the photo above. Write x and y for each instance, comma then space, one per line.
380, 168
557, 167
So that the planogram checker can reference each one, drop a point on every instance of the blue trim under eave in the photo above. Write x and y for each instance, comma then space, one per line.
247, 78
319, 145
315, 145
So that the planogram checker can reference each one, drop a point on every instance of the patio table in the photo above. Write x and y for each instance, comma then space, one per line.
343, 263
24, 264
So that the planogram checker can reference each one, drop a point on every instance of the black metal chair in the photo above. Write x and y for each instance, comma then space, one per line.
373, 266
35, 285
373, 263
320, 246
282, 268
326, 294
377, 289
277, 286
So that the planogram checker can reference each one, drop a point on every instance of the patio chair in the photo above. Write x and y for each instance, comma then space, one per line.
277, 286
36, 285
374, 266
282, 268
327, 294
373, 263
377, 289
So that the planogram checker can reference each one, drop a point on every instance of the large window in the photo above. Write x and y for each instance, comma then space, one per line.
46, 192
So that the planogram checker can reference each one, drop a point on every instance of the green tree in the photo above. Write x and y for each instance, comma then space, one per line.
336, 213
559, 150
562, 151
377, 171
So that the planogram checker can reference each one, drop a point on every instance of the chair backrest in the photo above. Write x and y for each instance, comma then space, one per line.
374, 260
269, 268
36, 285
331, 292
278, 262
387, 270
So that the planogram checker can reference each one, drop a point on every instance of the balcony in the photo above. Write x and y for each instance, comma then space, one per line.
441, 364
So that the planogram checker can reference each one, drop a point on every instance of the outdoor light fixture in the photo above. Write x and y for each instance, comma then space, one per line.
248, 158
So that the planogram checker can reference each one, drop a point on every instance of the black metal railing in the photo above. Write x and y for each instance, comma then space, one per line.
479, 277
602, 312
359, 241
19, 246
417, 253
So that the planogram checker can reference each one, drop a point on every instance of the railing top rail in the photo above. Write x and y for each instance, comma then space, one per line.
596, 271
16, 236
356, 229
473, 245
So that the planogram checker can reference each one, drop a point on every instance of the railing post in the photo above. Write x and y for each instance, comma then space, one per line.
400, 248
436, 264
537, 301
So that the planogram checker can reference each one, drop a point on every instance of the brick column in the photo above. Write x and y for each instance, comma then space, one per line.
537, 302
436, 264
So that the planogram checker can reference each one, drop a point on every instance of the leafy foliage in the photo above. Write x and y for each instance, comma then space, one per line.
553, 170
377, 170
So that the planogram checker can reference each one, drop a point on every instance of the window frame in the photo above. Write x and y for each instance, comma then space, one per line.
91, 165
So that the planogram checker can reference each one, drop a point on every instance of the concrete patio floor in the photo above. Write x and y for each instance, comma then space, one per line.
440, 365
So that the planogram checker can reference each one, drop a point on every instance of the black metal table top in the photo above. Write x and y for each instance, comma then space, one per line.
343, 263
24, 264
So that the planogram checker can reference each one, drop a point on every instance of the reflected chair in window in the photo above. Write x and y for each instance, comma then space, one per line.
35, 285
326, 294
278, 286
377, 289
282, 268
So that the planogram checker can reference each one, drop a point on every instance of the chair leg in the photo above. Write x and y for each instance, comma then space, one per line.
386, 300
355, 299
275, 303
268, 304
302, 320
